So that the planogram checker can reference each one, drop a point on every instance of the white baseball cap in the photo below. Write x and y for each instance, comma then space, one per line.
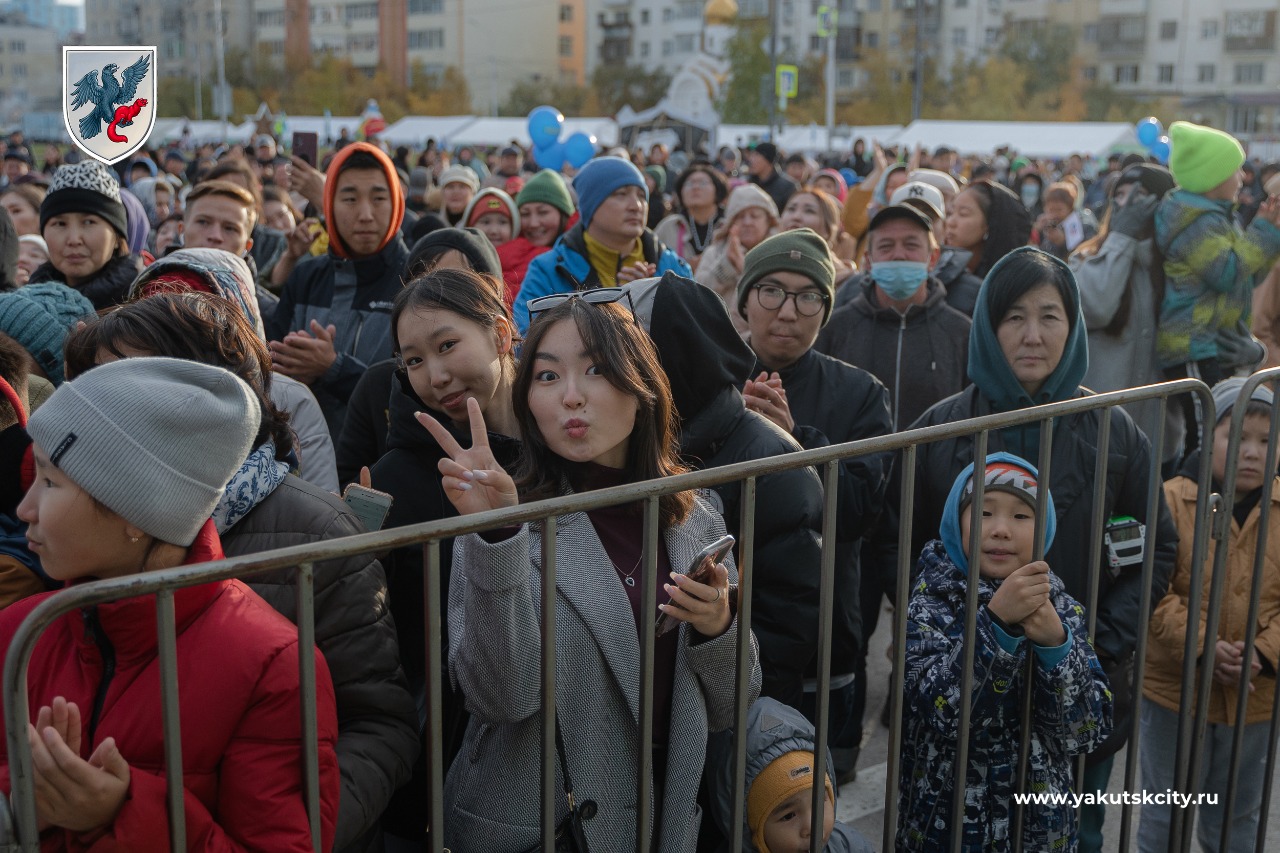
925, 197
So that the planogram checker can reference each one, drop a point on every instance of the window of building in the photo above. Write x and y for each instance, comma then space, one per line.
666, 47
1243, 120
1168, 30
686, 43
873, 39
273, 18
1089, 73
1205, 73
1209, 28
960, 36
362, 11
18, 46
873, 5
667, 15
962, 4
813, 7
1126, 74
992, 36
19, 70
426, 39
1089, 33
356, 44
644, 49
644, 16
1249, 72
426, 7
566, 46
1164, 73
845, 78
894, 38
566, 12
816, 44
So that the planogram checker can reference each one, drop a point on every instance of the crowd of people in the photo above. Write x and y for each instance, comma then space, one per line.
200, 348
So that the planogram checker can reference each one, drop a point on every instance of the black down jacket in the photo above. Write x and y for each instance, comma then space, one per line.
832, 403
408, 472
377, 721
707, 363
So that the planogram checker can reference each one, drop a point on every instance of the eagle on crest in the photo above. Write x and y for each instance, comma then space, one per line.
106, 96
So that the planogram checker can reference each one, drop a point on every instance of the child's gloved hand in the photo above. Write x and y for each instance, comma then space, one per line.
1024, 590
1137, 218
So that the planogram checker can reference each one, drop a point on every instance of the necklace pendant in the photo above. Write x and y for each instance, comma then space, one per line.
630, 581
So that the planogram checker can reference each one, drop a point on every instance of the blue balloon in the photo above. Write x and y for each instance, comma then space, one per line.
1160, 150
544, 126
579, 149
550, 156
850, 177
1149, 131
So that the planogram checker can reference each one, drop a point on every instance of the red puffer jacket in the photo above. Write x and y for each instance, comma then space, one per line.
239, 702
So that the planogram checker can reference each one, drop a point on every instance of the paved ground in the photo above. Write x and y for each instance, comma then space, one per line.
861, 802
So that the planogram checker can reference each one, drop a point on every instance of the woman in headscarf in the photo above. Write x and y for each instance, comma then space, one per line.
1028, 347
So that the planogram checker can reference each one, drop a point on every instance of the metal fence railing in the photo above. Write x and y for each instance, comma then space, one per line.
18, 830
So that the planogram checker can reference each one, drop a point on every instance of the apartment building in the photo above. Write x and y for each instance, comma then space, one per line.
30, 69
666, 34
496, 43
63, 18
1217, 59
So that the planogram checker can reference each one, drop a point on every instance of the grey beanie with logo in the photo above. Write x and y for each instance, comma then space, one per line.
153, 439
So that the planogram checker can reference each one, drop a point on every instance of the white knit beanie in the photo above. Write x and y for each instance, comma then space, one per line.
153, 439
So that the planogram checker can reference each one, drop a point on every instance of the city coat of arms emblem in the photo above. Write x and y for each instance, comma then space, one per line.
109, 99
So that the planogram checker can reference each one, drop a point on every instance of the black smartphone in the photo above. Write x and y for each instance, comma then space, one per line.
306, 146
700, 571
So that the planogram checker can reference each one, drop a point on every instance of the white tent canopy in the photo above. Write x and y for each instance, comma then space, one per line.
451, 131
500, 131
414, 130
1028, 138
808, 139
327, 129
170, 130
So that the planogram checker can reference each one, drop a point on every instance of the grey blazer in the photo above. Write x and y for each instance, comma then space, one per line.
492, 791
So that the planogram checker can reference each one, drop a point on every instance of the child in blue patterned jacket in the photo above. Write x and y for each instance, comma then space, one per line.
1023, 610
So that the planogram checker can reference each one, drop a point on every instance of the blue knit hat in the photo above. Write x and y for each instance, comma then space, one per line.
39, 317
599, 179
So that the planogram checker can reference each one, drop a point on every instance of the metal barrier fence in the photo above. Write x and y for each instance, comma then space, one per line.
19, 829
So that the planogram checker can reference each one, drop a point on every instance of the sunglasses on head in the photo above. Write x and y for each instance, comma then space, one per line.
595, 296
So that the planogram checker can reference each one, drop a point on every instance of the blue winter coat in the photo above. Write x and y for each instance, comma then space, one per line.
565, 269
1072, 714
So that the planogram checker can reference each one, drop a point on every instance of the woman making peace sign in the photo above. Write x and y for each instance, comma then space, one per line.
595, 410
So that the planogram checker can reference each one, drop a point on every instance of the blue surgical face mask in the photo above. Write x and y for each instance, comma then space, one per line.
899, 279
1030, 195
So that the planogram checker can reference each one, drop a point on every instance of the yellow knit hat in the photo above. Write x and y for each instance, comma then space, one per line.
1201, 157
783, 777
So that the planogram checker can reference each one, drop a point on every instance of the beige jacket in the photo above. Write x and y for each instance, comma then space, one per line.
1167, 637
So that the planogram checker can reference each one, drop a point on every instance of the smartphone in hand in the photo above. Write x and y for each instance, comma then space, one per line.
306, 146
369, 505
700, 571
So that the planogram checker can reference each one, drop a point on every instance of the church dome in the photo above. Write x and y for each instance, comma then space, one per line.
720, 12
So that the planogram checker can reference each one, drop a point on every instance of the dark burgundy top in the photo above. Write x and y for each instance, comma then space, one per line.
621, 531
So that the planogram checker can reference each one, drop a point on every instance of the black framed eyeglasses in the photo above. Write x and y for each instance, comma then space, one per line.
595, 296
808, 302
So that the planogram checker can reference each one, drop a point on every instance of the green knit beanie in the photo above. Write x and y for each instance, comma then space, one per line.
1200, 157
800, 251
549, 188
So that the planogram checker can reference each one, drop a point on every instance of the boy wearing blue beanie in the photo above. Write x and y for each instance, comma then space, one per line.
1023, 612
609, 246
